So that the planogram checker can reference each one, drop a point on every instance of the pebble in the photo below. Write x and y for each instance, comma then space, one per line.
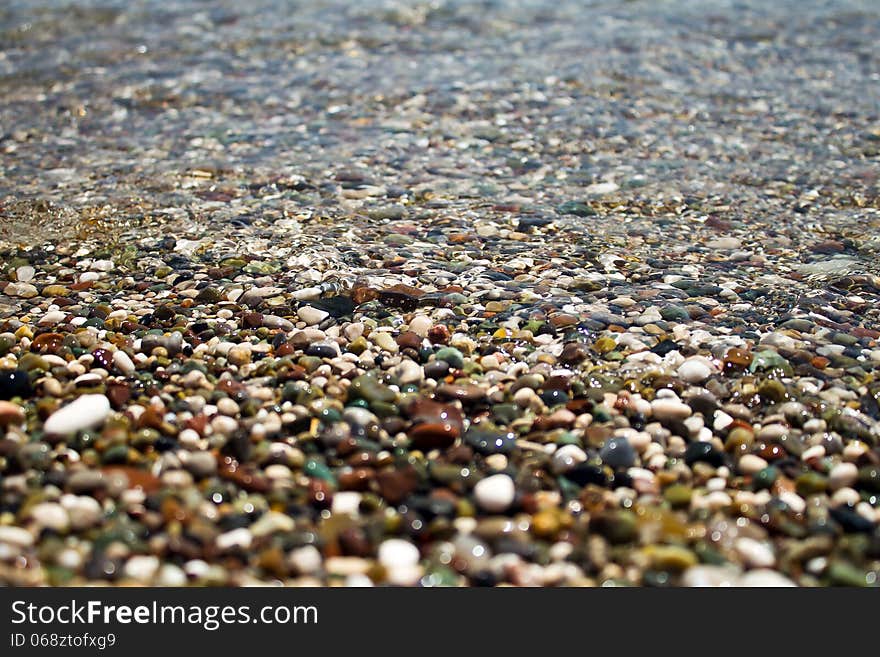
141, 568
754, 554
50, 515
85, 412
420, 325
764, 578
306, 560
695, 370
495, 493
670, 409
396, 553
566, 457
240, 538
83, 511
123, 362
16, 536
200, 464
10, 414
751, 464
711, 576
843, 475
312, 316
618, 453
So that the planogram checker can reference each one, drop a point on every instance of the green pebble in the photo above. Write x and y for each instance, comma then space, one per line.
772, 391
869, 478
383, 409
330, 415
368, 387
261, 268
568, 438
118, 454
7, 342
319, 470
452, 356
678, 495
673, 313
810, 483
842, 573
30, 362
440, 576
577, 208
765, 478
601, 413
618, 527
770, 360
505, 413
310, 363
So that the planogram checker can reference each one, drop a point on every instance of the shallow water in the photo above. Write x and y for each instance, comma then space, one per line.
115, 102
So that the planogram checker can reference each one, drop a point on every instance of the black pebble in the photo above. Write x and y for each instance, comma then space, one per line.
851, 521
15, 384
585, 473
705, 452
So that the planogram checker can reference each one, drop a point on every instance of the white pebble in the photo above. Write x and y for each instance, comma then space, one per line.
567, 457
384, 341
141, 568
495, 493
695, 369
764, 578
84, 511
52, 318
420, 325
846, 496
237, 538
795, 502
170, 575
721, 421
123, 361
843, 475
85, 412
305, 560
272, 522
396, 553
670, 409
20, 538
751, 464
346, 503
50, 515
409, 372
710, 576
25, 274
312, 316
754, 554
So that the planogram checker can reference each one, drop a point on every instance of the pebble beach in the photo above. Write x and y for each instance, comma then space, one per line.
496, 293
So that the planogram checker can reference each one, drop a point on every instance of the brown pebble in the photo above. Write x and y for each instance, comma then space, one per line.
118, 394
573, 353
439, 335
396, 485
357, 479
409, 340
10, 413
47, 343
